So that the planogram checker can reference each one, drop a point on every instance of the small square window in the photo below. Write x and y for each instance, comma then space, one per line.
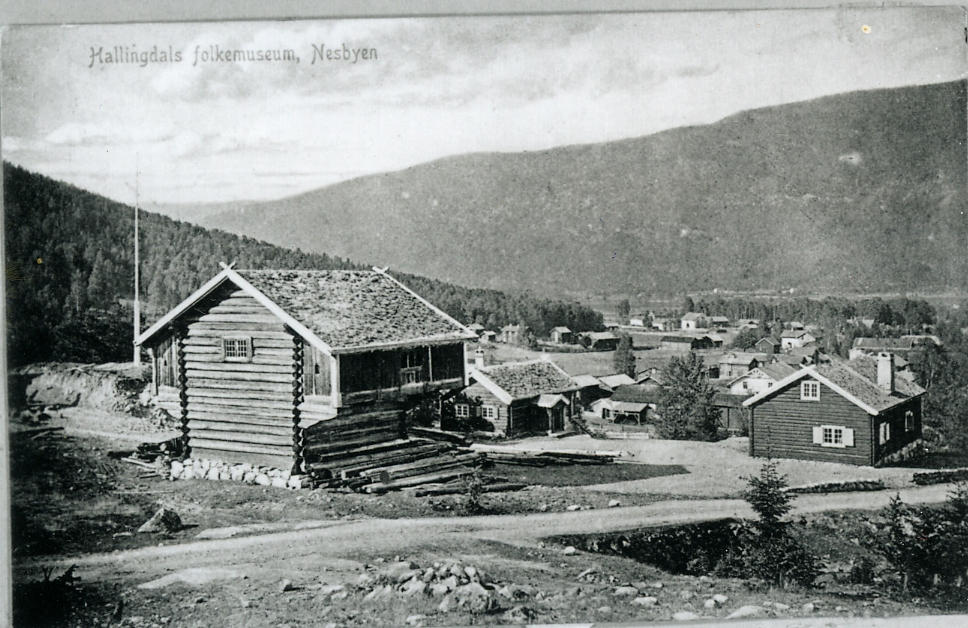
237, 349
489, 412
810, 391
833, 436
462, 410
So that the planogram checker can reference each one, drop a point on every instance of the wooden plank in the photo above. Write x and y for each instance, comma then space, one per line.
223, 445
341, 422
238, 437
263, 318
239, 367
215, 357
255, 387
241, 428
194, 331
318, 441
238, 327
279, 378
220, 413
218, 417
326, 448
397, 444
243, 397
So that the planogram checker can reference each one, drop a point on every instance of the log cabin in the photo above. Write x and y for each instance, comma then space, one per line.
272, 366
854, 412
534, 397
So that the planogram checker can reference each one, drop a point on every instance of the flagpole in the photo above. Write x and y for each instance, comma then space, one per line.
137, 287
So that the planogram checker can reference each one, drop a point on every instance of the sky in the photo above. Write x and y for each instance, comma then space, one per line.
204, 131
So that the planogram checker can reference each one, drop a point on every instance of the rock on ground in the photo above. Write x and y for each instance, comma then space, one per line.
165, 520
747, 611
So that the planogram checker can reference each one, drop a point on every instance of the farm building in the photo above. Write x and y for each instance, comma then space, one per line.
611, 382
736, 364
856, 412
590, 390
693, 321
638, 321
662, 324
523, 397
904, 346
629, 403
715, 340
748, 323
477, 328
795, 338
760, 378
562, 335
272, 365
732, 414
681, 343
719, 322
512, 334
601, 341
487, 336
768, 345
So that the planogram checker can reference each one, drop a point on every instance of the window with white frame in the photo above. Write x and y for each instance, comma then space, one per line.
237, 349
488, 412
885, 432
810, 391
908, 421
833, 436
462, 410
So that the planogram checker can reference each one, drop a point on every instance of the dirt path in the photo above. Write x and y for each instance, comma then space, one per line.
308, 548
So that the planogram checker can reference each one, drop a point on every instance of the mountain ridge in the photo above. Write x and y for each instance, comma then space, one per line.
818, 194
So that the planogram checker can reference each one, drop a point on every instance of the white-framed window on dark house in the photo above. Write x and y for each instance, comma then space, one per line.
908, 421
488, 412
885, 432
462, 410
237, 349
810, 391
833, 436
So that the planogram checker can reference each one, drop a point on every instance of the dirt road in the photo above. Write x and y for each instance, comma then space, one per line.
294, 550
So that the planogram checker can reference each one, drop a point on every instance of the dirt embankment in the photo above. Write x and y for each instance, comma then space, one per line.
106, 387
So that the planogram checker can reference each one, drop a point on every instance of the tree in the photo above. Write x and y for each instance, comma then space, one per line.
624, 310
688, 305
685, 410
768, 499
624, 358
746, 339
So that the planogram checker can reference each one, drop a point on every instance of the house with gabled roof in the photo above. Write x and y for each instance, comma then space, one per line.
692, 321
533, 397
795, 338
629, 403
270, 366
760, 378
767, 345
562, 335
857, 412
512, 334
739, 363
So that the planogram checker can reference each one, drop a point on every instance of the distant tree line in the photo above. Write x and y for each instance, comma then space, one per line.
70, 273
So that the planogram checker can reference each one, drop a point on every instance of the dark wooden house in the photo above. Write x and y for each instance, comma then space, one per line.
269, 365
854, 412
534, 397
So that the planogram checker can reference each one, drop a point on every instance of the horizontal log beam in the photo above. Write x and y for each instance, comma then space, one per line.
239, 367
215, 357
198, 374
222, 445
242, 397
210, 408
240, 437
203, 332
264, 317
241, 428
255, 387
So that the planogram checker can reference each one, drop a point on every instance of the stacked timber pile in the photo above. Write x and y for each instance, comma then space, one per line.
507, 455
391, 465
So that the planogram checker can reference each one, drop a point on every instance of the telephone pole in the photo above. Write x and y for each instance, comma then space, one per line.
137, 267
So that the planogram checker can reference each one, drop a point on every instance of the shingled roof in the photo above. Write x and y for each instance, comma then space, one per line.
344, 309
523, 380
855, 380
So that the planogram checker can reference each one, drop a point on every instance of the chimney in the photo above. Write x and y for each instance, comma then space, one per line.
885, 371
479, 358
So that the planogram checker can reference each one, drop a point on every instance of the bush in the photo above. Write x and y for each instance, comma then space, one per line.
927, 546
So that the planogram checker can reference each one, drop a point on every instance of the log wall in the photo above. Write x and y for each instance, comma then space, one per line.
354, 426
782, 427
242, 410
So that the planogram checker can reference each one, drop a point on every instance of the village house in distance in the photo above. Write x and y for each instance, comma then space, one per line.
268, 364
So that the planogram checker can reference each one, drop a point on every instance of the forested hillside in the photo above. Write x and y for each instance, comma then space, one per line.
70, 270
857, 192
